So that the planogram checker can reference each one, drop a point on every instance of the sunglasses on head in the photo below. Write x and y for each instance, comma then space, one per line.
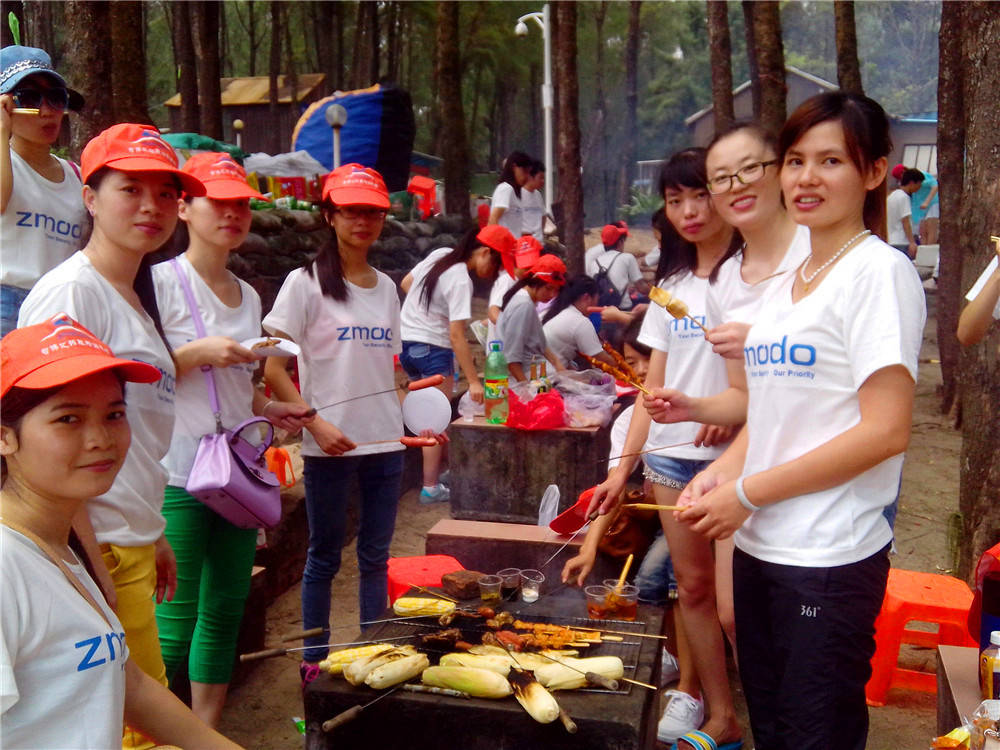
56, 98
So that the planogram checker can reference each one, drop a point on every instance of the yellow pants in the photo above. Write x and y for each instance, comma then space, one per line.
133, 570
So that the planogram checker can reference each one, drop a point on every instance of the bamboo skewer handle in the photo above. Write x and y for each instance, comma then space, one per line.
302, 634
652, 506
265, 654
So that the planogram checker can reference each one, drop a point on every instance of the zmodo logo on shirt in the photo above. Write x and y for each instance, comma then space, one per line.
780, 353
49, 224
364, 333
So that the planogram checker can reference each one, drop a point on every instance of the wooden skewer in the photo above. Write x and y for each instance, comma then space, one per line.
302, 634
640, 684
697, 323
432, 593
648, 450
621, 578
653, 506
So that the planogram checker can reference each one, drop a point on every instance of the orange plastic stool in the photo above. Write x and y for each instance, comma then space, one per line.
924, 597
405, 572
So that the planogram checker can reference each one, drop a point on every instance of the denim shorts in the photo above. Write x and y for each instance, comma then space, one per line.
672, 472
420, 360
655, 577
11, 298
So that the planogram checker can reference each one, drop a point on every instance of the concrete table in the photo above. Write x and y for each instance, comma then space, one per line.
499, 474
957, 685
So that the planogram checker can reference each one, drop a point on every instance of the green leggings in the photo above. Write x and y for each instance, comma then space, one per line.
214, 563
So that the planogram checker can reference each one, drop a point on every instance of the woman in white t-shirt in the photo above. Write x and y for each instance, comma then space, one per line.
200, 625
831, 363
695, 241
67, 678
505, 206
437, 307
131, 186
41, 214
519, 326
984, 302
568, 331
344, 315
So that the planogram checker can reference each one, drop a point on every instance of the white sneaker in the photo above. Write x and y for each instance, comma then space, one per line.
682, 714
670, 670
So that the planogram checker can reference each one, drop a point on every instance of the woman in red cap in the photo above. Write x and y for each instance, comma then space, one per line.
68, 676
437, 308
518, 324
201, 623
344, 315
131, 186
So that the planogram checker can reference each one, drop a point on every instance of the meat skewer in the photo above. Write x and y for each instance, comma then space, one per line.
673, 305
616, 373
416, 385
622, 363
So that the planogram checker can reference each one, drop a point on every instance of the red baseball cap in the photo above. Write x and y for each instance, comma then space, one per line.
59, 351
550, 269
222, 177
612, 233
354, 184
129, 147
527, 252
500, 239
897, 171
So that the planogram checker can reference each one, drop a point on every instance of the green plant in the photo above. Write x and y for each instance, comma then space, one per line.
640, 204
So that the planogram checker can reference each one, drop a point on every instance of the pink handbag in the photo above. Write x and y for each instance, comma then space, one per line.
230, 474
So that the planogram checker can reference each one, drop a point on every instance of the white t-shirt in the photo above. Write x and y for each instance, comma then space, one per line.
532, 213
622, 271
500, 287
62, 667
521, 331
590, 256
234, 384
129, 514
347, 350
991, 268
570, 332
42, 224
512, 217
652, 258
897, 208
805, 363
692, 366
451, 301
619, 431
731, 299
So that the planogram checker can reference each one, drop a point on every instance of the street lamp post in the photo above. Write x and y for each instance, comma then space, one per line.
336, 118
521, 29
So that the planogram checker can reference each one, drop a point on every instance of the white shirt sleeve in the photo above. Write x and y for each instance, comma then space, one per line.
502, 196
991, 268
80, 302
289, 312
586, 338
456, 288
632, 266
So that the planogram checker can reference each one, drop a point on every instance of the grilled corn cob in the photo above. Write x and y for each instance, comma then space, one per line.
479, 683
564, 675
356, 672
534, 698
408, 606
499, 663
335, 662
397, 671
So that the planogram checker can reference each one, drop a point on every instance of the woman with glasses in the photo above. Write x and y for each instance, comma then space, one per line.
344, 315
41, 212
437, 308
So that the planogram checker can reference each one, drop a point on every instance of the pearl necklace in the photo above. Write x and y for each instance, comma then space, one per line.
818, 271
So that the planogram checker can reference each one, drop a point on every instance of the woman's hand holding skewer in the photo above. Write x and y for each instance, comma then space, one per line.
668, 405
728, 339
329, 438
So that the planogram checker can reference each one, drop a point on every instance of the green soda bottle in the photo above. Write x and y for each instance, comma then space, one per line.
495, 384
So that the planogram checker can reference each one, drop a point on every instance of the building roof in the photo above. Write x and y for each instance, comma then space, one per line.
256, 90
821, 82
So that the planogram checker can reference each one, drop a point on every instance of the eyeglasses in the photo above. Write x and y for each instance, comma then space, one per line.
353, 213
56, 98
746, 175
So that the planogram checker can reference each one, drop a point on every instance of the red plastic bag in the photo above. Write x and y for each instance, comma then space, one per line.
544, 412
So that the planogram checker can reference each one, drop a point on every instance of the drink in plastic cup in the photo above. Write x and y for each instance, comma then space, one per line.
622, 603
511, 582
597, 597
531, 585
489, 588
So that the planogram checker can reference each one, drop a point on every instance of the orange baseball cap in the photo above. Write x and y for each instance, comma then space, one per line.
354, 184
500, 239
129, 147
550, 269
59, 351
613, 232
527, 252
222, 177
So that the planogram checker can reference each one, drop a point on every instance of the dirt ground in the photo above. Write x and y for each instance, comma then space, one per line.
259, 711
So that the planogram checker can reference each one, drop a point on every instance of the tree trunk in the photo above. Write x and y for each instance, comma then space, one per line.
720, 51
568, 145
185, 63
631, 102
128, 62
252, 38
601, 111
748, 29
454, 148
323, 29
951, 168
338, 70
392, 40
206, 17
848, 67
770, 64
273, 71
980, 217
88, 67
365, 65
38, 27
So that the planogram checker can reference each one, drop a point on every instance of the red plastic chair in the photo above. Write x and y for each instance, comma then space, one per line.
426, 570
924, 597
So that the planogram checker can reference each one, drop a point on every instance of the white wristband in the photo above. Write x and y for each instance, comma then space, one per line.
741, 495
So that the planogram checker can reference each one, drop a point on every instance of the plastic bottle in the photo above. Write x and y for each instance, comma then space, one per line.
989, 669
495, 385
544, 384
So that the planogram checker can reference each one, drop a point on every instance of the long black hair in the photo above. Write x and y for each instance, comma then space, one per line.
575, 288
515, 159
685, 169
327, 267
528, 279
464, 249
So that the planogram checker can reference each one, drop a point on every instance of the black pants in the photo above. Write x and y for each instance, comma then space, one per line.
805, 638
